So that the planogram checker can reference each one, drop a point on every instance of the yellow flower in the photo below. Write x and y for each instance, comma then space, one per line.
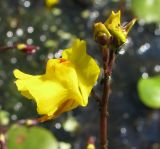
50, 3
112, 28
113, 24
29, 49
66, 83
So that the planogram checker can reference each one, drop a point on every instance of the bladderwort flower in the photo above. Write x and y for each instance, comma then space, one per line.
66, 83
110, 36
28, 49
112, 32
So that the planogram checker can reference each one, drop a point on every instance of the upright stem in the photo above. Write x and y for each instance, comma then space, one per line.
108, 60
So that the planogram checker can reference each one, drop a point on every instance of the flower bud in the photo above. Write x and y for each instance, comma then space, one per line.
112, 33
119, 32
101, 34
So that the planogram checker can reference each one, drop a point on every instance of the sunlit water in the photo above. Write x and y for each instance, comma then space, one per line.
131, 124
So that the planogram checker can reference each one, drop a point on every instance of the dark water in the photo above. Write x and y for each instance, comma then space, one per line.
131, 124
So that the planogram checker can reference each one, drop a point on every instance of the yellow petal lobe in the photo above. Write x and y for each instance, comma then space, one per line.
57, 87
86, 67
119, 32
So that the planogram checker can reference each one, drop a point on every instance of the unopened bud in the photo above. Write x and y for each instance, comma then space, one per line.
101, 34
111, 33
102, 39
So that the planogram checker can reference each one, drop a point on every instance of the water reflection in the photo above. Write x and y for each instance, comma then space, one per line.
132, 125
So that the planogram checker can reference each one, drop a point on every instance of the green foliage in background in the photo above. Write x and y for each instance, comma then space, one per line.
149, 91
147, 10
21, 137
4, 117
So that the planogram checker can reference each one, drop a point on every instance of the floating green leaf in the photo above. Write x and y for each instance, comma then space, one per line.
149, 91
21, 137
147, 10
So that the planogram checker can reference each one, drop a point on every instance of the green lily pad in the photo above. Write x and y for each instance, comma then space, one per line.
147, 10
149, 91
21, 137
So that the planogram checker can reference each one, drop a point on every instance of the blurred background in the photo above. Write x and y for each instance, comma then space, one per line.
52, 26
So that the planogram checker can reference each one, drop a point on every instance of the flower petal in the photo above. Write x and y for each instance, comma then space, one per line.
114, 19
59, 86
20, 75
119, 32
86, 67
114, 26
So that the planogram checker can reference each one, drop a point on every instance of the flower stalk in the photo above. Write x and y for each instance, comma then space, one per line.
6, 48
104, 108
28, 49
110, 36
108, 61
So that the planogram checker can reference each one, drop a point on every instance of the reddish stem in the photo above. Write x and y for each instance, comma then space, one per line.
6, 48
108, 60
